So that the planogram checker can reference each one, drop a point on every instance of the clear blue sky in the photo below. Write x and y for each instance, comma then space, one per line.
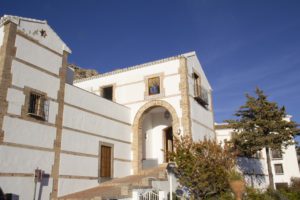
241, 44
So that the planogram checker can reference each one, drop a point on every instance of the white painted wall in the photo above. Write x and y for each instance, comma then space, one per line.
29, 145
24, 186
37, 55
91, 121
289, 162
89, 101
29, 133
52, 40
24, 75
198, 113
153, 134
130, 85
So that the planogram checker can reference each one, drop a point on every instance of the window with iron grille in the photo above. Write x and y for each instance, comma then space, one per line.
200, 93
38, 106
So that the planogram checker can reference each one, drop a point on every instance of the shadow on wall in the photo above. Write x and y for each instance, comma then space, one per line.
252, 170
8, 196
44, 182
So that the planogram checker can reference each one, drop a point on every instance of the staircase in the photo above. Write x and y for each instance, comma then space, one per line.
121, 188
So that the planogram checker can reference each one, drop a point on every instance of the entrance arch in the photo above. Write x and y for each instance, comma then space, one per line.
137, 147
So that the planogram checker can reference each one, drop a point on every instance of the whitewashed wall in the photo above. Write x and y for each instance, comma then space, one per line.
27, 144
153, 134
89, 120
38, 55
202, 118
130, 85
289, 162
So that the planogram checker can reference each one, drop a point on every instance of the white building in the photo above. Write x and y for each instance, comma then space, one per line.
80, 139
255, 170
101, 137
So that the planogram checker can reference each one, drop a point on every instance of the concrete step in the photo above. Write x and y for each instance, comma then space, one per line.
121, 187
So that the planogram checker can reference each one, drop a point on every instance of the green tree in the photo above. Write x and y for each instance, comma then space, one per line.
259, 125
202, 167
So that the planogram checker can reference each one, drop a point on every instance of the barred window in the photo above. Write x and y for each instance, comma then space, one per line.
200, 93
38, 106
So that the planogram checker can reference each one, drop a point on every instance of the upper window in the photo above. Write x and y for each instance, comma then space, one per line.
107, 92
200, 93
276, 154
278, 169
37, 106
154, 85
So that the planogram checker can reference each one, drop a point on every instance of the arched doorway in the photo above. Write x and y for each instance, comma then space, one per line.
153, 132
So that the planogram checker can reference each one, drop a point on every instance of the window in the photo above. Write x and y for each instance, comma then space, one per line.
154, 86
280, 186
278, 169
37, 107
107, 92
276, 154
200, 93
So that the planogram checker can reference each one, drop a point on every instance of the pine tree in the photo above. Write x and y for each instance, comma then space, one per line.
260, 124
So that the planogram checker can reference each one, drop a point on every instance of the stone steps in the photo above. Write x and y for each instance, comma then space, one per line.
121, 187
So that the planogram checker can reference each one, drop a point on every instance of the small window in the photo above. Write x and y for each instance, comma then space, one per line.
276, 154
37, 106
107, 92
281, 186
278, 169
154, 86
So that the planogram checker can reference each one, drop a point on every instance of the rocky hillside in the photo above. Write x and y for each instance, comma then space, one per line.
82, 73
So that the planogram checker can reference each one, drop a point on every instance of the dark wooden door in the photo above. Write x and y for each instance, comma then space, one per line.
168, 142
105, 170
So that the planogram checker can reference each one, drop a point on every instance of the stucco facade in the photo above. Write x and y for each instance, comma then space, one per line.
51, 124
255, 169
96, 131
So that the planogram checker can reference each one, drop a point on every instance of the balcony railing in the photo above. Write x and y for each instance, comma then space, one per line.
201, 95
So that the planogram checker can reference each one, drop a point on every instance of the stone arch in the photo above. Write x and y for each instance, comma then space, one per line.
137, 130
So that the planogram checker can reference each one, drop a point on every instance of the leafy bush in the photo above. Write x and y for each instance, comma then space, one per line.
202, 167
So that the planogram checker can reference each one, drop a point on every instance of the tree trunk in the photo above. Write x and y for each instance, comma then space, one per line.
271, 180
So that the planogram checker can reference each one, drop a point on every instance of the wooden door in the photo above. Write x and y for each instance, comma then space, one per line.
168, 142
105, 170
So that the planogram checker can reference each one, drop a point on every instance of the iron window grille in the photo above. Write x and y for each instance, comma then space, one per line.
201, 94
38, 106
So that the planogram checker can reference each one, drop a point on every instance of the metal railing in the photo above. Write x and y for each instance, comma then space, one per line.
149, 196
